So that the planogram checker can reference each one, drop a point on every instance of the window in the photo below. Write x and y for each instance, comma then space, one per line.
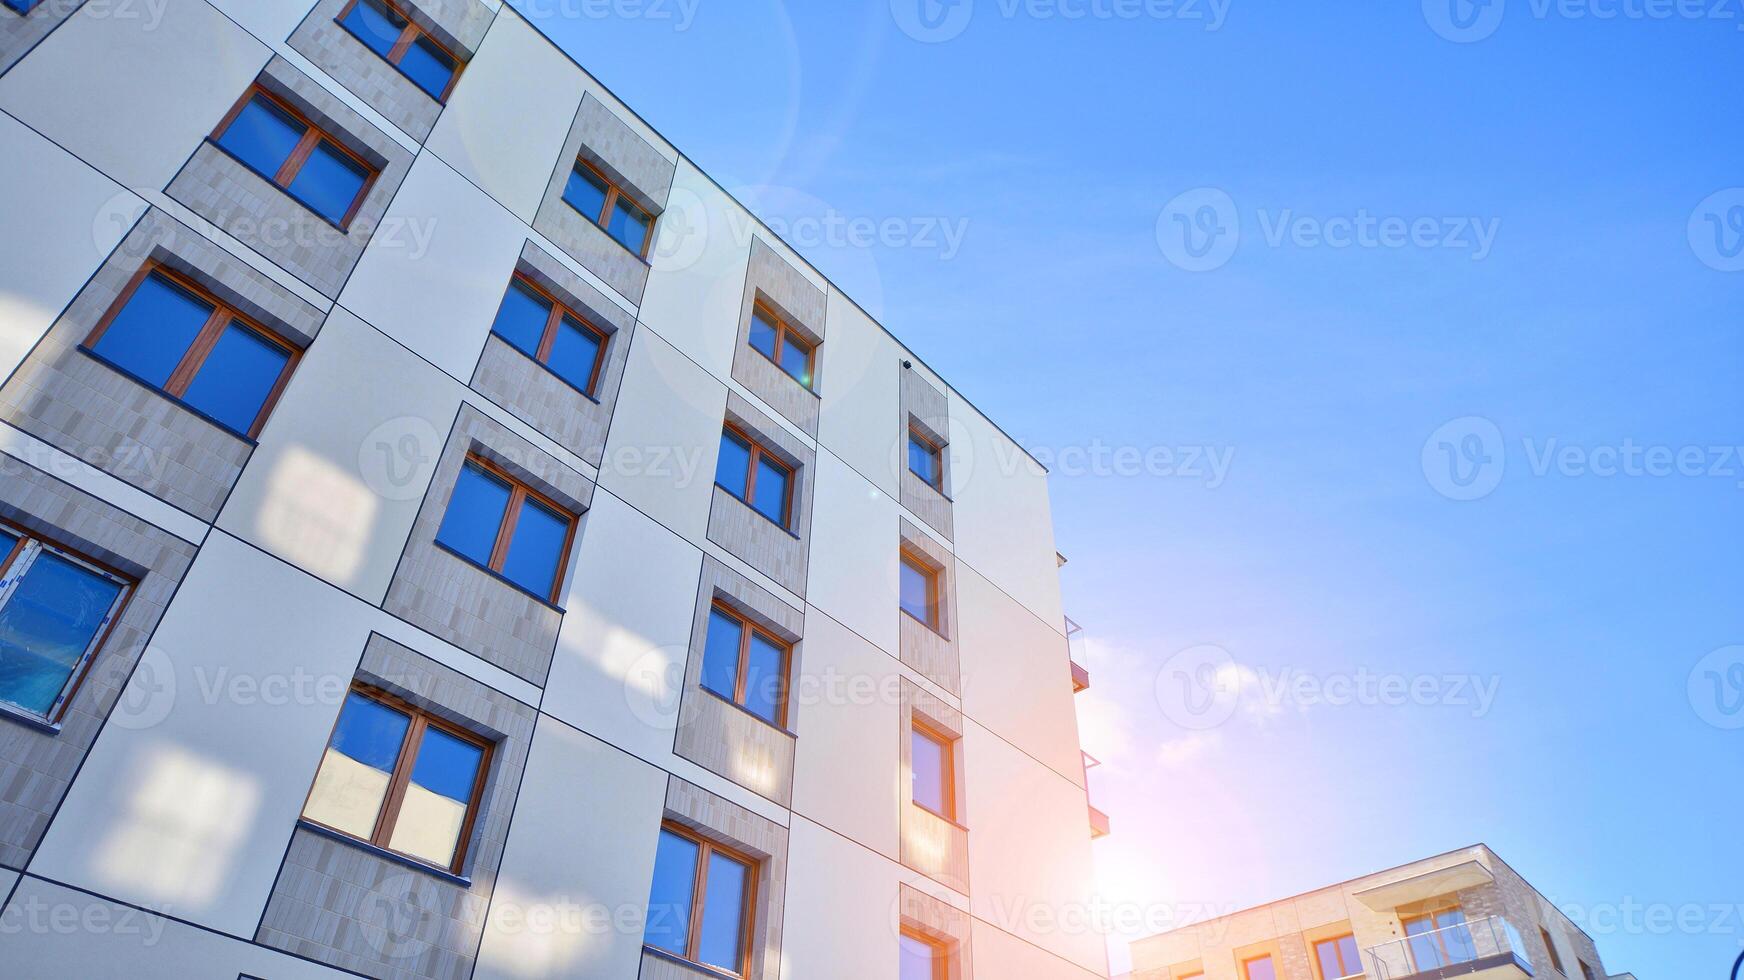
1550, 944
280, 144
1338, 958
1587, 971
746, 665
386, 30
748, 471
401, 779
170, 334
922, 959
934, 775
534, 323
700, 906
776, 339
497, 522
926, 459
605, 204
1439, 939
56, 608
1259, 968
919, 591
22, 6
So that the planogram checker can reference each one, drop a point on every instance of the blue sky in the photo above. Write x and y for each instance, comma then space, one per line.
1542, 290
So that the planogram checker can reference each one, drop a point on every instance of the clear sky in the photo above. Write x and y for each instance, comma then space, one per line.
1373, 266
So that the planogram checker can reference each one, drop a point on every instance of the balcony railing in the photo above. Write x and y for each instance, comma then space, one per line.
1074, 653
1475, 945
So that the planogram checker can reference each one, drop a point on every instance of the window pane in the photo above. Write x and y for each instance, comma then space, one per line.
916, 592
573, 354
923, 459
433, 810
375, 25
1348, 956
8, 541
521, 319
586, 192
237, 378
359, 764
763, 335
475, 514
771, 499
1261, 969
629, 225
152, 333
723, 922
720, 654
1337, 957
796, 361
262, 135
932, 772
669, 900
917, 960
537, 548
428, 66
329, 182
734, 466
764, 677
47, 626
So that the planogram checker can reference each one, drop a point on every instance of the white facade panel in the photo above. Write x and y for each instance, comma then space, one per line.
860, 420
853, 577
696, 288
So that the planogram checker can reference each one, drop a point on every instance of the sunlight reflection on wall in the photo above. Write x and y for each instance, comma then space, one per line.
184, 818
317, 515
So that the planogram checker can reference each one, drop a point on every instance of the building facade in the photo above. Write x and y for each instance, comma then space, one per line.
446, 535
1465, 914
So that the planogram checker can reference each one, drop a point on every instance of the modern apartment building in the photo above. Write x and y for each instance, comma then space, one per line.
1461, 914
445, 535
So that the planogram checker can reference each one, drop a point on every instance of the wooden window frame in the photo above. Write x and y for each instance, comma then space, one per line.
76, 678
1314, 949
948, 744
786, 333
910, 556
758, 453
1550, 945
1249, 960
554, 323
223, 315
937, 449
614, 193
1587, 971
1435, 931
401, 778
942, 951
408, 37
313, 135
742, 676
519, 493
706, 848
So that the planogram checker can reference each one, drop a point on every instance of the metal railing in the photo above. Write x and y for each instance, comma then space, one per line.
1465, 942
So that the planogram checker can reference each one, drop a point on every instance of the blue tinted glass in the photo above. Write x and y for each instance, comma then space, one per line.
574, 352
720, 654
329, 182
375, 25
916, 960
734, 467
723, 924
763, 335
22, 6
915, 594
629, 225
585, 192
237, 377
931, 770
923, 460
764, 678
537, 548
796, 361
521, 319
669, 900
152, 333
1260, 969
475, 514
447, 766
262, 135
429, 67
370, 732
46, 627
771, 499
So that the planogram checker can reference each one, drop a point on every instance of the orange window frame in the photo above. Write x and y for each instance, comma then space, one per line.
519, 493
948, 760
1338, 954
930, 575
699, 892
313, 135
83, 669
554, 323
1246, 974
614, 194
1550, 944
201, 349
941, 953
758, 454
1438, 932
786, 334
934, 449
743, 673
408, 37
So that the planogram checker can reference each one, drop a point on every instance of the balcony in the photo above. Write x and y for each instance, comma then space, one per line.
1074, 640
1098, 823
1485, 949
